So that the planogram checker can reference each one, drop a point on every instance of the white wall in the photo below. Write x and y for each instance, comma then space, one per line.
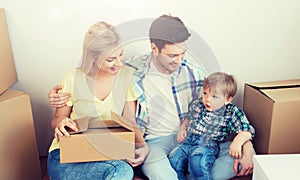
256, 40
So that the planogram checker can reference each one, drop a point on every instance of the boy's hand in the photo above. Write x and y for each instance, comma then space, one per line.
181, 135
235, 150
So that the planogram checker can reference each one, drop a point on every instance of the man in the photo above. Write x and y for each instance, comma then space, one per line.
165, 83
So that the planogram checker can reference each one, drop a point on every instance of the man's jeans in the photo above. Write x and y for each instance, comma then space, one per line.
157, 165
195, 155
106, 170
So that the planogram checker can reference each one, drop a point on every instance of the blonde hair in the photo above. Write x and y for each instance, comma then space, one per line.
221, 81
99, 38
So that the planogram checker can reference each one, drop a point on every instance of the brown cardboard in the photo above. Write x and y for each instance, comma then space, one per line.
103, 140
18, 148
8, 75
273, 108
81, 125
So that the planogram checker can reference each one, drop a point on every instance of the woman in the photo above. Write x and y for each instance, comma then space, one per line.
90, 88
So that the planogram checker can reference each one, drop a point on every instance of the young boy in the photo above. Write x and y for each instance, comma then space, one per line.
210, 120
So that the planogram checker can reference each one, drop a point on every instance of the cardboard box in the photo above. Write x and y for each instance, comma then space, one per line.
98, 140
273, 108
18, 148
8, 75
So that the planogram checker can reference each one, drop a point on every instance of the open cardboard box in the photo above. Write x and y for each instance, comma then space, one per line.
273, 108
98, 140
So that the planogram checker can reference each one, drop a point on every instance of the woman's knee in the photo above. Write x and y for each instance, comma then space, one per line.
120, 170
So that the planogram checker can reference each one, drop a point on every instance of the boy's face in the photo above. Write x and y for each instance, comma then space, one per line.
214, 100
170, 57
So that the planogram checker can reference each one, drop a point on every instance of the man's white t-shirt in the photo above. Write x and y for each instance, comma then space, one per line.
163, 117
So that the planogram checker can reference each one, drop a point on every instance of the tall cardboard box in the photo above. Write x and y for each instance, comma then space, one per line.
8, 75
273, 108
18, 148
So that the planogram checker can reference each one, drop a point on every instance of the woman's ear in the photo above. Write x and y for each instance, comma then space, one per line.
228, 100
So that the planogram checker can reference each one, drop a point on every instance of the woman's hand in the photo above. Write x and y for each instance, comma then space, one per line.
58, 99
141, 154
60, 129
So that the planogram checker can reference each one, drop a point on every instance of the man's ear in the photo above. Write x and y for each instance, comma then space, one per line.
228, 100
154, 48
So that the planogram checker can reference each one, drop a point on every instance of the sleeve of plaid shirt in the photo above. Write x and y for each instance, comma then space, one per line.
194, 109
239, 122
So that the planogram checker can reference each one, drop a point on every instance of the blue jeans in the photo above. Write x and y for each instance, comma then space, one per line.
114, 169
223, 166
156, 165
195, 155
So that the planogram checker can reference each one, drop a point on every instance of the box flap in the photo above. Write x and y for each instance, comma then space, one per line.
95, 124
283, 94
276, 84
81, 124
123, 122
84, 124
9, 94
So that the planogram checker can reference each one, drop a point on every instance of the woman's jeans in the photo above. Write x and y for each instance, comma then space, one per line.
106, 170
195, 155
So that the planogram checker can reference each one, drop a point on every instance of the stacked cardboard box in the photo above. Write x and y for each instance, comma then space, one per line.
18, 148
273, 109
8, 74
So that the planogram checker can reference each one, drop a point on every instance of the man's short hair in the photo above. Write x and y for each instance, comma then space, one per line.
167, 30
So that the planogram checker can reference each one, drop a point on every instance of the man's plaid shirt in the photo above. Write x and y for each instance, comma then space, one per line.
187, 81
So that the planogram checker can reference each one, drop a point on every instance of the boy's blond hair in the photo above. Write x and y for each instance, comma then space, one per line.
221, 81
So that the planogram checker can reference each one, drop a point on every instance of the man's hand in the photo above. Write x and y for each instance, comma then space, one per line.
245, 161
58, 99
141, 153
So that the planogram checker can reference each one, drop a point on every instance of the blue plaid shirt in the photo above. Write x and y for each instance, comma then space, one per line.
187, 81
217, 125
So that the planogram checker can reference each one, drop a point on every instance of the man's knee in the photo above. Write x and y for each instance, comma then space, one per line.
159, 170
223, 167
